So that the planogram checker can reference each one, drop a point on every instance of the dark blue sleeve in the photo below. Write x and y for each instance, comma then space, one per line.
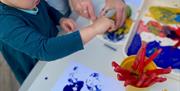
19, 36
54, 14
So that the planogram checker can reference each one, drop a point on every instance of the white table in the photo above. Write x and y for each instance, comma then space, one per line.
95, 56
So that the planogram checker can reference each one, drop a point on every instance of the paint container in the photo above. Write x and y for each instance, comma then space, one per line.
132, 88
128, 62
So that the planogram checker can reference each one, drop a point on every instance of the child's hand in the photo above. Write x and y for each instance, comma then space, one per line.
103, 24
99, 26
68, 25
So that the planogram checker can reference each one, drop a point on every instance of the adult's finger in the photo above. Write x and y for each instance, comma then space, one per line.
104, 11
124, 16
118, 17
84, 11
91, 12
121, 15
79, 9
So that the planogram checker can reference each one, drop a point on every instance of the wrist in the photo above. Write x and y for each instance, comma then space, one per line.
87, 34
93, 28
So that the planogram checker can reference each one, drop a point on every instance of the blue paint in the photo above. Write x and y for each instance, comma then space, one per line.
112, 36
74, 84
135, 45
152, 47
110, 47
177, 19
75, 68
168, 57
93, 82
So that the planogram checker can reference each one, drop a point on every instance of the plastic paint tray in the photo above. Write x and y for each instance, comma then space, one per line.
146, 4
135, 6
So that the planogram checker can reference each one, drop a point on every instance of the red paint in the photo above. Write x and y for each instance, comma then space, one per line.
159, 71
148, 81
114, 64
120, 77
142, 58
152, 57
177, 44
142, 79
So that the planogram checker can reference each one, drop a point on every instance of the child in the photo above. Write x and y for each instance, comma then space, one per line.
28, 34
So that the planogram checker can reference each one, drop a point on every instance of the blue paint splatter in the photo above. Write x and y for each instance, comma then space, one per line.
75, 68
112, 36
93, 82
74, 84
168, 57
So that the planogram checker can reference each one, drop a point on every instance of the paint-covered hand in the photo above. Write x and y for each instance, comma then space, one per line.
120, 8
68, 25
83, 8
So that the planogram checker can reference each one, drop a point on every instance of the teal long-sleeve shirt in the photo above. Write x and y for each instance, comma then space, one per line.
27, 38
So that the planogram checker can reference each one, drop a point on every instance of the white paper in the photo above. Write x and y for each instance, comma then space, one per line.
86, 79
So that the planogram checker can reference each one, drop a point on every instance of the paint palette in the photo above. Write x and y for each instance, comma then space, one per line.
158, 25
120, 36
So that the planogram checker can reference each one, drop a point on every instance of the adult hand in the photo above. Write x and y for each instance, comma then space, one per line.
120, 8
83, 8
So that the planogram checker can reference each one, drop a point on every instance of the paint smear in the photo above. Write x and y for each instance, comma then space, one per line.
158, 36
169, 56
165, 15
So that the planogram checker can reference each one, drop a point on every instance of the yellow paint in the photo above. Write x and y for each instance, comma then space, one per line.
126, 27
164, 15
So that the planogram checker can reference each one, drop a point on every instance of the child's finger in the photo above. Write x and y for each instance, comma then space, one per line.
69, 26
112, 27
65, 28
74, 25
